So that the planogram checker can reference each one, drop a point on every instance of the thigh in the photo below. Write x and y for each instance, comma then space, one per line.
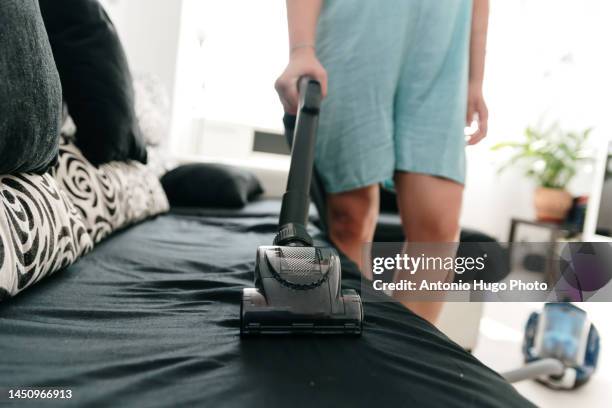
429, 206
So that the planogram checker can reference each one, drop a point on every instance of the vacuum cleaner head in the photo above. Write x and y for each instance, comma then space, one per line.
298, 290
297, 285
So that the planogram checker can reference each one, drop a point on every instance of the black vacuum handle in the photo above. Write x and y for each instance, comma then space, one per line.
296, 200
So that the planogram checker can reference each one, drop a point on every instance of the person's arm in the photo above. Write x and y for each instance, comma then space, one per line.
478, 46
302, 17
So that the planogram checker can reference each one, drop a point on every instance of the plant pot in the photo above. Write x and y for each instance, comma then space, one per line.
552, 204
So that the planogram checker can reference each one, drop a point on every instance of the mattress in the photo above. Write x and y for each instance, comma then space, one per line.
151, 318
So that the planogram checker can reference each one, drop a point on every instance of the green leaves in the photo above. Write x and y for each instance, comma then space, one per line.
550, 156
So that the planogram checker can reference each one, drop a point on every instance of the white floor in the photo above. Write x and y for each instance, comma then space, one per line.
499, 346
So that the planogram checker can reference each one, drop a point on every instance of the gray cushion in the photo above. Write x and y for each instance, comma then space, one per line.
30, 90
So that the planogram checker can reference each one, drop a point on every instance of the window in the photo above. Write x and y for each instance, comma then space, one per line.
230, 53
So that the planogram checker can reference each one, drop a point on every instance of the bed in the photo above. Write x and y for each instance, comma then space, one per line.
150, 318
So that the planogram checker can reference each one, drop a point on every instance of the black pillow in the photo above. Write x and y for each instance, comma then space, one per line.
30, 91
210, 185
96, 80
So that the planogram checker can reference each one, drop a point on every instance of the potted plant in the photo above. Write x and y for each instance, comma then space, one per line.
551, 157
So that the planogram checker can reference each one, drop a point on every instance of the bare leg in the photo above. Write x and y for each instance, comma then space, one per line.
352, 219
430, 208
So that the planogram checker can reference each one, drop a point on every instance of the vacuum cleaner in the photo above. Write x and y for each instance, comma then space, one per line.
560, 348
298, 285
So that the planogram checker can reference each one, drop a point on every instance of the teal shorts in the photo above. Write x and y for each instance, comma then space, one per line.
398, 75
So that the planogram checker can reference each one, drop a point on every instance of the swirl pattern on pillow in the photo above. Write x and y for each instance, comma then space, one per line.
40, 231
111, 196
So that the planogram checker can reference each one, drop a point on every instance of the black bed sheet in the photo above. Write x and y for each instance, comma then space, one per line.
151, 318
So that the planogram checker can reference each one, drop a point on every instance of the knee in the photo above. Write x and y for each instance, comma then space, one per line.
433, 228
350, 224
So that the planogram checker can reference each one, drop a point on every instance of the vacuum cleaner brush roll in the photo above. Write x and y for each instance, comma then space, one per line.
298, 291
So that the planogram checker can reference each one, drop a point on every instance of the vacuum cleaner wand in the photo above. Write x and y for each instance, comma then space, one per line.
296, 200
298, 285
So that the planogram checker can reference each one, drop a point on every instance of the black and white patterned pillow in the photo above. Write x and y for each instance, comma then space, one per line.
40, 231
110, 196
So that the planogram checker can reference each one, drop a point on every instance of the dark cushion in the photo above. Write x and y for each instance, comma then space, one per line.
210, 185
96, 80
30, 91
